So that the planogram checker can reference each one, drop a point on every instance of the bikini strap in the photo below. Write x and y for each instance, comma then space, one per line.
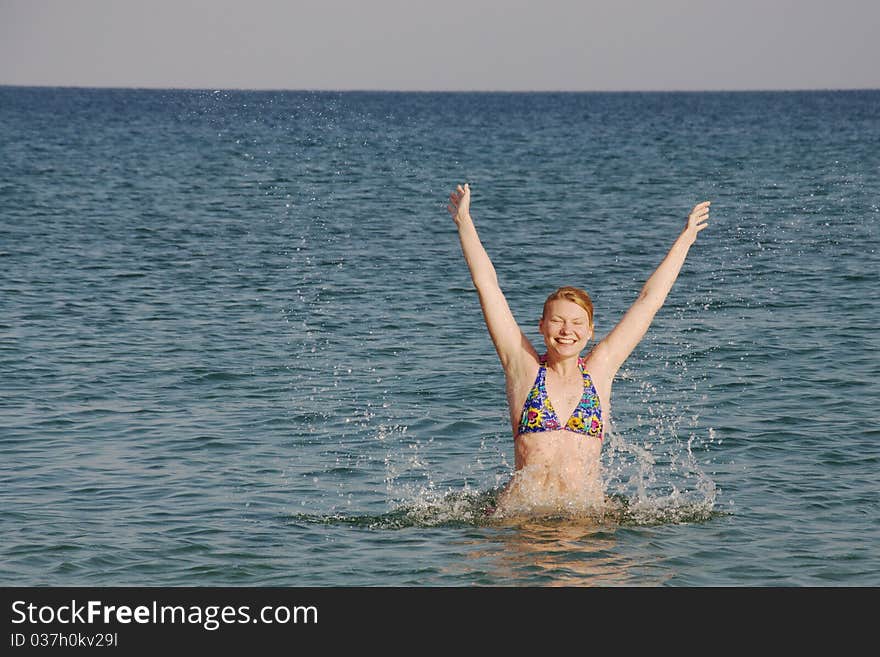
542, 371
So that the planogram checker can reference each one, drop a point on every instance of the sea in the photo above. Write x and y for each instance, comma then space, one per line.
239, 344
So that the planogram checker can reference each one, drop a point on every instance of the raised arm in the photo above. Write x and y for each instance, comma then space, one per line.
509, 341
616, 347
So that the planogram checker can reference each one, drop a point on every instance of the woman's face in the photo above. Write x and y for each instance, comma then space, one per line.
565, 327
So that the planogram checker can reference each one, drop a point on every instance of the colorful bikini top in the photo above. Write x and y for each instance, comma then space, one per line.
538, 413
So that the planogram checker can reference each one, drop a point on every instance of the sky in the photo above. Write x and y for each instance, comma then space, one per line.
443, 45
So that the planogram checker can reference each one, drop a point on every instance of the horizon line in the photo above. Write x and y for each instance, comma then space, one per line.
430, 91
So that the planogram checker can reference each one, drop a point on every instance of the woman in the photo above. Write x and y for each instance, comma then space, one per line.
560, 403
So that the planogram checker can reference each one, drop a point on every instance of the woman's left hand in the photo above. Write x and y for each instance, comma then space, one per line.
698, 219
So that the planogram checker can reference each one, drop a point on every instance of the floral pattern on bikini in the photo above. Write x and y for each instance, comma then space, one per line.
538, 413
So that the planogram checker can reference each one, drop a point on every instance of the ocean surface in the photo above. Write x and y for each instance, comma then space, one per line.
239, 344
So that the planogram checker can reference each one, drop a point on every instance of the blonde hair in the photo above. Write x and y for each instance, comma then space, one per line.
575, 295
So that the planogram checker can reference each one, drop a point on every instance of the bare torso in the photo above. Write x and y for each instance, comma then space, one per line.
556, 471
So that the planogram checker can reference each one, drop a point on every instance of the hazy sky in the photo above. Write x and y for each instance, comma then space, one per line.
577, 45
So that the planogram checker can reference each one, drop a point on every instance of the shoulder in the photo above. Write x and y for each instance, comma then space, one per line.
598, 363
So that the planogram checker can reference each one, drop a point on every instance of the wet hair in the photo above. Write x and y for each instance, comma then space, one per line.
575, 295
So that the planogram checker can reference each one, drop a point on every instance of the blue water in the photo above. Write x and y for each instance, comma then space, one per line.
239, 344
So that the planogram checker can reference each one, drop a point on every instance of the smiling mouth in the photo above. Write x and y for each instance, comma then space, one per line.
566, 340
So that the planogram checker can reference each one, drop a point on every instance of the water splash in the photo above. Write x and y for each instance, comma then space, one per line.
449, 509
657, 482
469, 508
651, 480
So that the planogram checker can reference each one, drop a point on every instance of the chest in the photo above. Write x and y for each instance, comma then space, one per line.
544, 399
563, 394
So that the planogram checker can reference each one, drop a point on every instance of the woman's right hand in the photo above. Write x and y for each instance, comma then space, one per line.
460, 204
